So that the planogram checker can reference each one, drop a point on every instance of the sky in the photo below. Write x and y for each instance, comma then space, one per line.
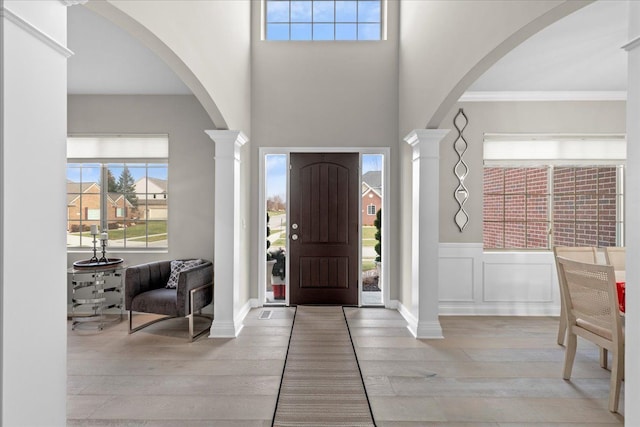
307, 20
276, 171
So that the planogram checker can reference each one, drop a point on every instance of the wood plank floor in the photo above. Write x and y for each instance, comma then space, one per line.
488, 371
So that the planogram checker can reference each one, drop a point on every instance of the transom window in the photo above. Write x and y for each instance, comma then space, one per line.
323, 19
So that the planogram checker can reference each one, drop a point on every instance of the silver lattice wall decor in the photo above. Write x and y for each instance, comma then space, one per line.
461, 170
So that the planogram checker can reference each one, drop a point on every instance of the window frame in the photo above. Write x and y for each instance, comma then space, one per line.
105, 152
555, 150
312, 23
551, 195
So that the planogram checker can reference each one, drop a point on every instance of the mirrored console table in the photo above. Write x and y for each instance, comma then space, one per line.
97, 296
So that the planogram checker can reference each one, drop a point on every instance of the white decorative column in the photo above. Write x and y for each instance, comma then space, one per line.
632, 193
425, 230
226, 262
33, 255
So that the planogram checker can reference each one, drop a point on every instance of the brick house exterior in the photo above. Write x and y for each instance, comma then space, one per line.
371, 196
517, 202
83, 207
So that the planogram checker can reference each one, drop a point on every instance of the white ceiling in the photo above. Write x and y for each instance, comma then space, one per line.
581, 52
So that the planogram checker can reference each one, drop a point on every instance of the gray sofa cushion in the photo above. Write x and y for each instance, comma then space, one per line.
161, 301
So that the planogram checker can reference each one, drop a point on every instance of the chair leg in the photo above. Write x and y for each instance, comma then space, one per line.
193, 336
137, 328
604, 357
192, 293
570, 354
617, 373
562, 326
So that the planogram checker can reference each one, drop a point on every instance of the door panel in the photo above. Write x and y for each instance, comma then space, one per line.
324, 228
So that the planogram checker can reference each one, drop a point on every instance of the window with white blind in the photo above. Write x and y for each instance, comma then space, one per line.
542, 191
120, 184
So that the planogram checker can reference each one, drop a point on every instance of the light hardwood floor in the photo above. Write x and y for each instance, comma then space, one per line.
488, 371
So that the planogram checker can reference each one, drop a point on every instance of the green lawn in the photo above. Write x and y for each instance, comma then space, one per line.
280, 242
368, 236
368, 265
158, 228
368, 232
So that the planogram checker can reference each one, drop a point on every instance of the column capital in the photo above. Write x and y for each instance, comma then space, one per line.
426, 142
428, 136
228, 136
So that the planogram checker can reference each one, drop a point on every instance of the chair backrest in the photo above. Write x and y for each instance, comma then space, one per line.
577, 253
616, 256
590, 298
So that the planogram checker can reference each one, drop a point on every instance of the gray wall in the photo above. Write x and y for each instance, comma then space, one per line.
325, 94
509, 117
191, 173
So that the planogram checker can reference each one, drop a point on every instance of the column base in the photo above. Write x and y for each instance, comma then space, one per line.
427, 330
220, 329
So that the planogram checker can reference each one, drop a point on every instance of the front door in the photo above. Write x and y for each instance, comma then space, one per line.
323, 228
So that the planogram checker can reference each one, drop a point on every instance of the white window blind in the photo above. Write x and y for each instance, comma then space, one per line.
117, 148
532, 149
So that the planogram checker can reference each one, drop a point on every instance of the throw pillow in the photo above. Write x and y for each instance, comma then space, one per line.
178, 266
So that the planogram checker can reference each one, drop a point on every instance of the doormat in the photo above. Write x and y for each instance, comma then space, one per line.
321, 383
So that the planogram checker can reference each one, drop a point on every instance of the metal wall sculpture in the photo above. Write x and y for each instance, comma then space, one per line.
461, 170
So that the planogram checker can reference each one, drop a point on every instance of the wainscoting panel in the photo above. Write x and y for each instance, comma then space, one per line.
517, 282
457, 268
474, 282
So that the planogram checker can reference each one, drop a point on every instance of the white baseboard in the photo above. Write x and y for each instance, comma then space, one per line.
409, 317
498, 309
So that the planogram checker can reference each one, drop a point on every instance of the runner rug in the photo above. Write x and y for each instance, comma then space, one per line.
321, 384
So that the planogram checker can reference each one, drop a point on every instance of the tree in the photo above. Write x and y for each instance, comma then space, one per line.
112, 185
268, 241
126, 186
378, 224
275, 203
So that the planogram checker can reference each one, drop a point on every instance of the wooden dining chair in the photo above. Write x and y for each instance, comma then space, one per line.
577, 253
616, 256
591, 305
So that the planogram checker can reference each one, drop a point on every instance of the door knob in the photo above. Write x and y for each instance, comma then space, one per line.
294, 237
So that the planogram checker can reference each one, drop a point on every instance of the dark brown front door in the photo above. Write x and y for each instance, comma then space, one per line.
323, 228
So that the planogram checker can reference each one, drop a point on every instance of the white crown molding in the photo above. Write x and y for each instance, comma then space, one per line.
73, 2
34, 31
632, 44
543, 96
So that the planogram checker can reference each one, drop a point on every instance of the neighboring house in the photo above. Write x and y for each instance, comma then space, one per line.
153, 193
83, 206
371, 196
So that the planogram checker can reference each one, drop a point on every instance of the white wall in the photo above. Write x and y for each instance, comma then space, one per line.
191, 162
32, 183
510, 117
325, 94
444, 47
205, 42
512, 282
